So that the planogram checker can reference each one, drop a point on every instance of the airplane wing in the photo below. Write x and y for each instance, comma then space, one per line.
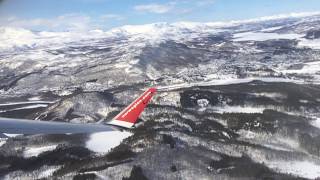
20, 126
126, 118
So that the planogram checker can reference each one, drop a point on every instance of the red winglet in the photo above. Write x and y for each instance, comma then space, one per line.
128, 117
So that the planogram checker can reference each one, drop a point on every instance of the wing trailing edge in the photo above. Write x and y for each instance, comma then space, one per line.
129, 116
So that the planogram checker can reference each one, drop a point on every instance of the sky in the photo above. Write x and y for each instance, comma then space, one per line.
68, 15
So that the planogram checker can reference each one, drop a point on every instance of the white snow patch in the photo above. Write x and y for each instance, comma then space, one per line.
30, 107
276, 147
303, 101
271, 29
226, 134
12, 135
2, 141
203, 102
102, 142
303, 169
272, 141
308, 68
26, 102
238, 109
48, 172
313, 44
63, 93
261, 36
35, 151
248, 134
26, 107
169, 98
316, 123
36, 98
228, 81
271, 95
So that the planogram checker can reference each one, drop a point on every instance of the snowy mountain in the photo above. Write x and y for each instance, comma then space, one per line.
236, 99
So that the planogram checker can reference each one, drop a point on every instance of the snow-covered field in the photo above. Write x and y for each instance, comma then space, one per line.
35, 151
304, 169
263, 36
238, 109
2, 141
316, 122
104, 141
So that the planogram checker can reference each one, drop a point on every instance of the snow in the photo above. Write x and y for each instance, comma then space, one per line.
313, 44
26, 107
171, 99
35, 151
276, 147
2, 141
302, 169
102, 142
158, 32
12, 135
282, 16
272, 141
26, 102
238, 109
274, 96
64, 93
308, 68
12, 38
227, 81
203, 102
271, 29
31, 106
303, 101
261, 36
36, 98
48, 172
316, 123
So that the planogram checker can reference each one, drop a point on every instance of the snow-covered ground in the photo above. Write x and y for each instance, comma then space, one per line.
12, 135
226, 82
313, 44
238, 109
304, 169
272, 141
27, 107
308, 68
26, 102
262, 36
35, 151
41, 173
104, 141
316, 122
2, 141
48, 172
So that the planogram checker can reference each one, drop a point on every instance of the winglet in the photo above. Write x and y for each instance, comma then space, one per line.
128, 117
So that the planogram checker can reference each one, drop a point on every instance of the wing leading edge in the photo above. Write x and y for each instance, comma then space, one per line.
126, 118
